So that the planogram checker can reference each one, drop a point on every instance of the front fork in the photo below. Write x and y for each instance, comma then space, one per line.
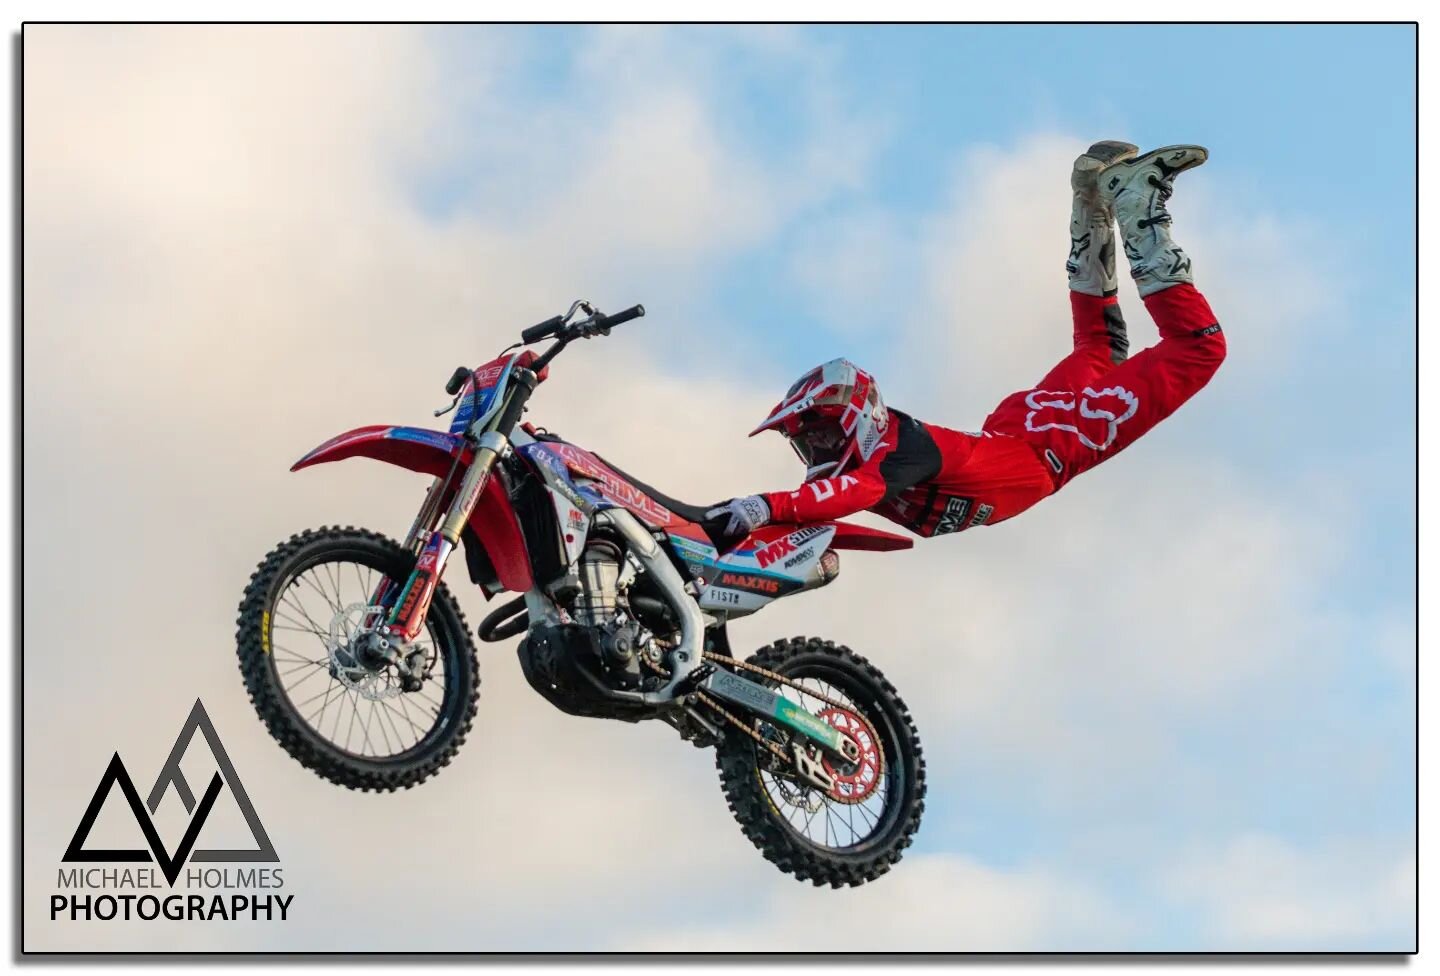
413, 603
408, 609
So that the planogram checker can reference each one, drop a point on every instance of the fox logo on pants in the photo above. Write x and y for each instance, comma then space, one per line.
1094, 416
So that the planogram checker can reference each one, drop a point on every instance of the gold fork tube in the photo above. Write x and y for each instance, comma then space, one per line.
491, 444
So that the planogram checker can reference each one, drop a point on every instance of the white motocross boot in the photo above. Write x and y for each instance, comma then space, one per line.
1091, 264
1137, 190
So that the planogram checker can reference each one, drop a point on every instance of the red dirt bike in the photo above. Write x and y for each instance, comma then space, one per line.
359, 661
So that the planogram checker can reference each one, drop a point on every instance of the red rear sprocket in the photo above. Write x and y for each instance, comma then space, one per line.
854, 781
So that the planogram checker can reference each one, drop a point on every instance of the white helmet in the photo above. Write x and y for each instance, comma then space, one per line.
833, 417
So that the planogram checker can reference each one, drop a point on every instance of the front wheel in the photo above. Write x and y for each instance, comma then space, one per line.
356, 723
857, 830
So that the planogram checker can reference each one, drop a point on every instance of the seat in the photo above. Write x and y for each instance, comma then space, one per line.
690, 513
714, 528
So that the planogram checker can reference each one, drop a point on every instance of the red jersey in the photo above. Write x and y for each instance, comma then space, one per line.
1093, 404
930, 479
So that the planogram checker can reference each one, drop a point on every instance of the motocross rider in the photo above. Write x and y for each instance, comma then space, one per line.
1093, 404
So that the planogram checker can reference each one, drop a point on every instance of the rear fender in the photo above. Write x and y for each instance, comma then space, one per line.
780, 537
851, 536
434, 452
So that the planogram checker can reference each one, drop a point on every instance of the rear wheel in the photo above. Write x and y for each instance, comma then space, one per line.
854, 832
353, 719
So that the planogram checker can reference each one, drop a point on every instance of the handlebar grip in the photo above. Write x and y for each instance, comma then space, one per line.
547, 328
457, 379
619, 318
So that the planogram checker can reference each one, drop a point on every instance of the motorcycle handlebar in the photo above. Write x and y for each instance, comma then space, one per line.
544, 329
619, 318
556, 327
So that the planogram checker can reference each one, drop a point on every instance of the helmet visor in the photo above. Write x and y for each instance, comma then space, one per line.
818, 440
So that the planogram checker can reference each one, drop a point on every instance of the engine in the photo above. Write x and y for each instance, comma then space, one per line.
598, 607
599, 597
574, 664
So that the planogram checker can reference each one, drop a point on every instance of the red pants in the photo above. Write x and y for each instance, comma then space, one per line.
1096, 402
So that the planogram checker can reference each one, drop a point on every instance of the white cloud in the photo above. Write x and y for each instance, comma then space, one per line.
932, 903
1265, 893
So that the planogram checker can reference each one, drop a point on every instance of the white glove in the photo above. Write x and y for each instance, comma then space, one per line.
746, 514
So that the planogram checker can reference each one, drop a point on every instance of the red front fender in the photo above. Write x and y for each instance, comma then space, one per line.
433, 452
426, 451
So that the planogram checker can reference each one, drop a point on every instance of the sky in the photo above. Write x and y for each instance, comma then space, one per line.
1171, 708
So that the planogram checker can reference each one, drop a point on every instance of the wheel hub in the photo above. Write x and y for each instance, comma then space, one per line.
360, 656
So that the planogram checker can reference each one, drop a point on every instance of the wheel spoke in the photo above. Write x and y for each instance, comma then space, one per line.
290, 688
322, 632
332, 572
328, 689
350, 730
386, 714
290, 655
302, 630
391, 708
302, 666
332, 604
325, 703
421, 693
380, 724
323, 635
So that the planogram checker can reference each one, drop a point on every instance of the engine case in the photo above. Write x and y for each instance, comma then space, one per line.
565, 664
